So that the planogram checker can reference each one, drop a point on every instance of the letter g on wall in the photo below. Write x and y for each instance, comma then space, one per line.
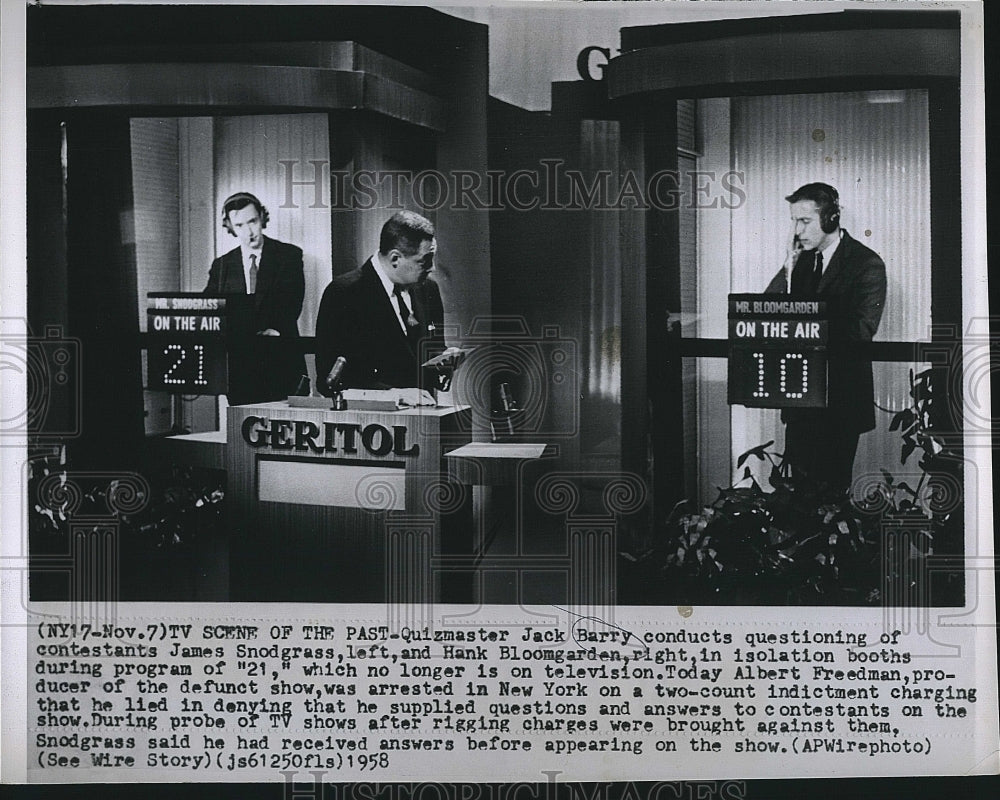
585, 66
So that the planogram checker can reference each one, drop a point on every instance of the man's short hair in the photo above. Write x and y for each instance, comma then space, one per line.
404, 231
241, 200
825, 197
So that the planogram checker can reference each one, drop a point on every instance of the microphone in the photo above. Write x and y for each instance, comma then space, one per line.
336, 371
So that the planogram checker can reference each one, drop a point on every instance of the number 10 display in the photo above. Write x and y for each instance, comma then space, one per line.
777, 352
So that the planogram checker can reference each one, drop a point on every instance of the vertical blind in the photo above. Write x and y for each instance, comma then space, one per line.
157, 232
248, 155
874, 153
600, 140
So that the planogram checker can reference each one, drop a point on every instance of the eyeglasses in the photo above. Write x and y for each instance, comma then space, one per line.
425, 262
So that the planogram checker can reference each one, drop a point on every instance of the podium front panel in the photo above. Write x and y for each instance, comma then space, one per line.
315, 497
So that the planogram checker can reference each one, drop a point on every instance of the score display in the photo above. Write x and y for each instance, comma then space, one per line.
186, 349
777, 351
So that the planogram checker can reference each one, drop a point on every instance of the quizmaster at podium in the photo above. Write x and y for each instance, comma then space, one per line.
386, 317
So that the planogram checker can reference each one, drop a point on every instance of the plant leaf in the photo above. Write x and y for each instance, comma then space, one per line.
903, 419
757, 451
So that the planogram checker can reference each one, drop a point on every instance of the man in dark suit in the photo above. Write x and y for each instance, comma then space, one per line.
264, 284
826, 262
385, 318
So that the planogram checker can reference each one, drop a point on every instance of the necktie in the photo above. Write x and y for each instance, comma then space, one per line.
252, 289
817, 271
404, 312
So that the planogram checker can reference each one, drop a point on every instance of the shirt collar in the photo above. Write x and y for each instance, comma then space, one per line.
387, 283
246, 252
830, 249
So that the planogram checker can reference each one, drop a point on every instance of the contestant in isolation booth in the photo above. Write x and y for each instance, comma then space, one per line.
385, 318
824, 261
269, 275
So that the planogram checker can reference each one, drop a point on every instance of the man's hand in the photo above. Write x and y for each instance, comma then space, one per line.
452, 357
793, 250
414, 397
268, 332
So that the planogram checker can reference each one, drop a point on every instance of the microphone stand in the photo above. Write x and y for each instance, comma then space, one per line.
339, 403
334, 384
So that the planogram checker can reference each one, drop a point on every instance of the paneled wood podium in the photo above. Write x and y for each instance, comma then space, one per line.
343, 506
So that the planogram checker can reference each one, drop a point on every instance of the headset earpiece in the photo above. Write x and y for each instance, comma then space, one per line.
828, 222
241, 200
829, 218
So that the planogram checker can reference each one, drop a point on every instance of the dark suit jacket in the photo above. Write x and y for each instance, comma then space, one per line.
357, 320
853, 284
262, 367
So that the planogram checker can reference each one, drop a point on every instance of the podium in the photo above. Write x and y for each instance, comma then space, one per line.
343, 506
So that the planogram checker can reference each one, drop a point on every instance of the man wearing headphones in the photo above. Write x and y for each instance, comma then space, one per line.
264, 280
825, 262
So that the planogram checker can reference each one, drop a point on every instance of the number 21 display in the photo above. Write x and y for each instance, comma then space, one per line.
186, 350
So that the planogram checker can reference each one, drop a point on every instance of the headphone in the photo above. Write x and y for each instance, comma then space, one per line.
829, 215
241, 200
